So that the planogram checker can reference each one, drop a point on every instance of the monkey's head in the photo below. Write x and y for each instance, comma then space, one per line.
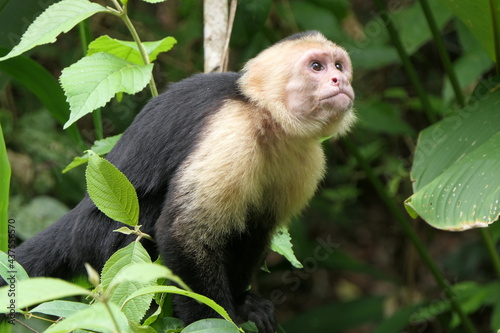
304, 82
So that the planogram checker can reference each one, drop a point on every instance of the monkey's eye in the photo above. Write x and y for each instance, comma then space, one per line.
339, 66
317, 66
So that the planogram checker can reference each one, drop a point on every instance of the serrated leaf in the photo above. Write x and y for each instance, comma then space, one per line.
145, 273
131, 254
134, 253
95, 318
56, 19
175, 290
92, 81
213, 325
129, 50
60, 308
37, 290
455, 170
100, 147
281, 243
111, 191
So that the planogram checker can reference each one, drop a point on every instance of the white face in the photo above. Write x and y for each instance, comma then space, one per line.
320, 85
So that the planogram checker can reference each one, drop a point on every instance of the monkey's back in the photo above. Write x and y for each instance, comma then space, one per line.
149, 152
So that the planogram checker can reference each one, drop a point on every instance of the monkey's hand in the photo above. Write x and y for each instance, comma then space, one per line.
259, 310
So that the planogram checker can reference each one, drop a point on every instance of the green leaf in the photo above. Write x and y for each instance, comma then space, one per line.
58, 18
100, 147
471, 65
60, 308
281, 243
413, 27
37, 290
5, 174
113, 281
131, 254
95, 318
9, 265
213, 325
43, 85
111, 191
145, 273
455, 170
92, 81
129, 50
476, 15
175, 290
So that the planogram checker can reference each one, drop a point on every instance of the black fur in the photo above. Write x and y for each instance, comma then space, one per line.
149, 154
300, 35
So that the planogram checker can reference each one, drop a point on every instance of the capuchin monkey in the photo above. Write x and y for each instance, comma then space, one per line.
219, 161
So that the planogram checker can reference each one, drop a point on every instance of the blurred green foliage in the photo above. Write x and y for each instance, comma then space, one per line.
361, 273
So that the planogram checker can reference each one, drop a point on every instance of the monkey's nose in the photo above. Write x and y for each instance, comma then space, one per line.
335, 81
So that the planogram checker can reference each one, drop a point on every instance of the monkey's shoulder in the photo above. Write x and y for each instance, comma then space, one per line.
164, 133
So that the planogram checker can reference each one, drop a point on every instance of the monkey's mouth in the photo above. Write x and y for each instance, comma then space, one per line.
338, 98
337, 93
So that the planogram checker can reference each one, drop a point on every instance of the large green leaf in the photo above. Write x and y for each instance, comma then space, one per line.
60, 308
129, 50
58, 18
96, 318
175, 290
144, 273
134, 253
111, 191
119, 287
92, 81
476, 15
456, 168
38, 290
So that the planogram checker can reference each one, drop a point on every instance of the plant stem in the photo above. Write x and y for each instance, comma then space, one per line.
105, 302
407, 64
496, 35
85, 36
97, 118
490, 246
142, 50
445, 58
410, 233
